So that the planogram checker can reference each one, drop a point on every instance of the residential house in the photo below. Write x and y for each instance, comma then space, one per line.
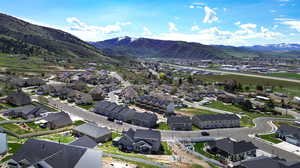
155, 104
84, 141
288, 133
83, 99
43, 90
148, 120
18, 99
225, 98
140, 141
41, 153
97, 93
98, 134
230, 150
25, 112
212, 121
117, 112
129, 94
180, 123
57, 120
268, 162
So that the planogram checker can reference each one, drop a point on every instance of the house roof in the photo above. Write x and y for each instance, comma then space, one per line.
213, 117
92, 130
59, 119
263, 161
20, 98
147, 134
179, 119
84, 141
52, 153
233, 147
290, 130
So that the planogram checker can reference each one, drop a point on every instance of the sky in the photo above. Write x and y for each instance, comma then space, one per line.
219, 22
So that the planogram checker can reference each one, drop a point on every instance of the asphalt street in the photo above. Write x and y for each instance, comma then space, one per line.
262, 126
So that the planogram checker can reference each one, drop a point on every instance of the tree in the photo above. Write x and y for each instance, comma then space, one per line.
259, 88
190, 79
247, 88
180, 82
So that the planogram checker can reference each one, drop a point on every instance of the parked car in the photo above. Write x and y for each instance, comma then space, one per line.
205, 133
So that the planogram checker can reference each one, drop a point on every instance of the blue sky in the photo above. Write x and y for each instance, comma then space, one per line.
228, 22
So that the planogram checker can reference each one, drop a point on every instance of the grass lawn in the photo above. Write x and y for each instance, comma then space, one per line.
115, 135
289, 75
221, 106
163, 126
79, 122
58, 138
199, 148
36, 127
87, 107
195, 111
14, 128
109, 148
270, 137
166, 148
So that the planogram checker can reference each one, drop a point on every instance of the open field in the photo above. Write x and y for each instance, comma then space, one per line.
288, 75
292, 88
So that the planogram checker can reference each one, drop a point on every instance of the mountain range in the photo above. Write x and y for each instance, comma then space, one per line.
20, 37
152, 48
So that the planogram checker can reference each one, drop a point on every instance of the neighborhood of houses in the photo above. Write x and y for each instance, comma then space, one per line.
151, 110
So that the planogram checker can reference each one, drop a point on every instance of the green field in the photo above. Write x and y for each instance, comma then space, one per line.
292, 88
17, 64
270, 137
288, 75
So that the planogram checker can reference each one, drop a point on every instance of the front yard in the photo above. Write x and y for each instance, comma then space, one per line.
271, 138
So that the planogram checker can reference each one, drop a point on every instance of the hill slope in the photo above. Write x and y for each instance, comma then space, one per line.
20, 37
151, 48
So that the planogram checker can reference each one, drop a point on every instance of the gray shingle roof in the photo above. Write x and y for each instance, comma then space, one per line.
233, 147
213, 117
92, 130
54, 154
267, 162
84, 141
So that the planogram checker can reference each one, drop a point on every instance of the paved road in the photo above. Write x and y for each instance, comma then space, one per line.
262, 126
237, 73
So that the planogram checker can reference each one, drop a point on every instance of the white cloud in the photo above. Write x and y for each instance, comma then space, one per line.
195, 28
237, 23
283, 0
91, 32
147, 32
192, 6
292, 23
214, 35
210, 15
248, 26
172, 27
80, 26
